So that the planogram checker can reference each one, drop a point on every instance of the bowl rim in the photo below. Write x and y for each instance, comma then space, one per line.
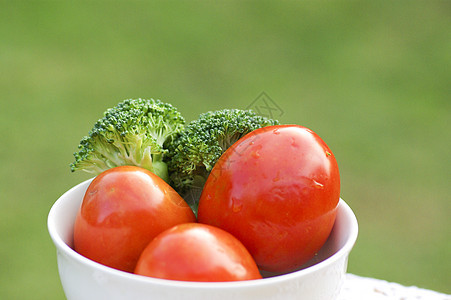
64, 248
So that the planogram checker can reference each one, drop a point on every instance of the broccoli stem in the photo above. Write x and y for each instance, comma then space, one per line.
160, 167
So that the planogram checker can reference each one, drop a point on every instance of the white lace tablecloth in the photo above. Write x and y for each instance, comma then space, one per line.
363, 288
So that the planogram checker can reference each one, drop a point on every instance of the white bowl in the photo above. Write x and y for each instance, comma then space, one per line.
84, 279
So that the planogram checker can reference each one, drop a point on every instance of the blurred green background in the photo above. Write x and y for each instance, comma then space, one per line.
371, 78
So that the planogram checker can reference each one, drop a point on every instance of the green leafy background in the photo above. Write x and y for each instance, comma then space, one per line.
372, 78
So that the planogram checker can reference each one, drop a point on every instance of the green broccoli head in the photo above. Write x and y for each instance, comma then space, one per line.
135, 132
197, 149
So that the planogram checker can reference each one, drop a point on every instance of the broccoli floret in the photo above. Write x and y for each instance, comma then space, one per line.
196, 150
135, 132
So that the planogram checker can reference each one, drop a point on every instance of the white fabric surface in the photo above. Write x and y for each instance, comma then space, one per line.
363, 288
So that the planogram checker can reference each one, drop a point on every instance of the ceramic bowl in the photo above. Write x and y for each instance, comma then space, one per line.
83, 279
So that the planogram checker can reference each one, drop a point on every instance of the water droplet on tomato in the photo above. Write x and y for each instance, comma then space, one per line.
255, 154
317, 185
277, 178
237, 205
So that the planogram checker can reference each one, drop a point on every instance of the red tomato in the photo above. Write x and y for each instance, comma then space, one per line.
197, 252
123, 209
276, 190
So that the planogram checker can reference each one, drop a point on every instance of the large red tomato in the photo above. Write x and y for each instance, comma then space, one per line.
123, 209
197, 252
277, 190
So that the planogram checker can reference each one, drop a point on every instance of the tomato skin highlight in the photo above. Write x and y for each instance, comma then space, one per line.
197, 252
123, 209
277, 190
